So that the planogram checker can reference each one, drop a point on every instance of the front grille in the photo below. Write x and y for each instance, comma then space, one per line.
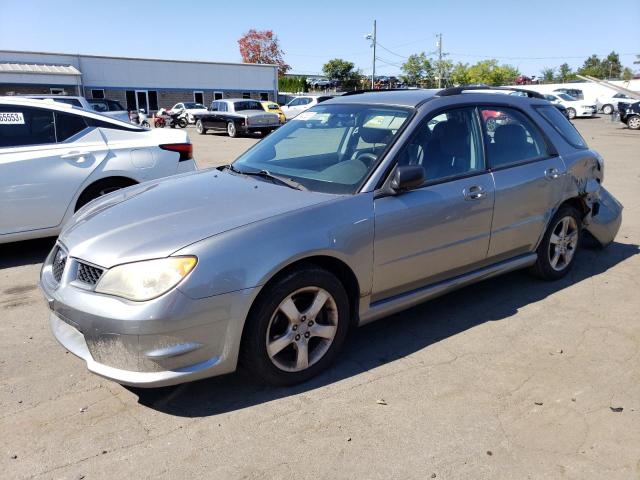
59, 262
88, 274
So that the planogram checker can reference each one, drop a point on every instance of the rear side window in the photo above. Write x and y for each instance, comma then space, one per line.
67, 125
561, 125
25, 126
511, 138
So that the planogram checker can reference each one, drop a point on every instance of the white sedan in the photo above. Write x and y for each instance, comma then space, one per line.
55, 158
192, 109
575, 108
299, 104
609, 103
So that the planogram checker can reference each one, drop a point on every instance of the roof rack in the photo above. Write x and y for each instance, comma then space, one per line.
458, 90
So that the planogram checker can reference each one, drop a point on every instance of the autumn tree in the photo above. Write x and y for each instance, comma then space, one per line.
262, 46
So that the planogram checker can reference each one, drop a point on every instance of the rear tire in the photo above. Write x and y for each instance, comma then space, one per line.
100, 188
182, 122
286, 339
145, 124
607, 109
558, 248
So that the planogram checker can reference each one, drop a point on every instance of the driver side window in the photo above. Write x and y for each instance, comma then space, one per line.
447, 145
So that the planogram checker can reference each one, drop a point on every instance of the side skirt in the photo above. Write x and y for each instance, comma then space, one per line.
388, 306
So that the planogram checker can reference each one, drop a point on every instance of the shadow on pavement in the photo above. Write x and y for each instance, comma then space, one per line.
28, 252
389, 339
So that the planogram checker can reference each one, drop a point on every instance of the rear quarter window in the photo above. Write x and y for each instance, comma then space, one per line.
560, 124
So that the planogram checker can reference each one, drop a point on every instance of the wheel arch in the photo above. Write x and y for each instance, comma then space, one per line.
343, 272
121, 179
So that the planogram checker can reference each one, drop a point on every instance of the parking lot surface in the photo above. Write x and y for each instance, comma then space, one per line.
511, 378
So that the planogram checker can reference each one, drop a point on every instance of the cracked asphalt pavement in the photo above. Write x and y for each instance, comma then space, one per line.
510, 378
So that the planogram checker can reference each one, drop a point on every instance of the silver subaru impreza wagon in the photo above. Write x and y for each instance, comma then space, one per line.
360, 207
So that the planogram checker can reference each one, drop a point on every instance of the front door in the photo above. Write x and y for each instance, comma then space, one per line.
441, 229
528, 176
142, 100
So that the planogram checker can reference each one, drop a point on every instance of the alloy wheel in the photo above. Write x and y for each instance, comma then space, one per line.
231, 129
563, 243
634, 123
302, 329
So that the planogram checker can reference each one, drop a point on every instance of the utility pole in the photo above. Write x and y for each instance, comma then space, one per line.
439, 45
373, 73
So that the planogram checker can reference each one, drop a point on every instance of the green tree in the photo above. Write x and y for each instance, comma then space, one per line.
460, 74
343, 71
611, 66
443, 68
418, 70
565, 73
547, 74
592, 66
505, 75
627, 74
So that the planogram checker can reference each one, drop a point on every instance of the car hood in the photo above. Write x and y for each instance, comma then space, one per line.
155, 219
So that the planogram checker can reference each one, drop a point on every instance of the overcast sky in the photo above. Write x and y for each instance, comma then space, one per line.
529, 35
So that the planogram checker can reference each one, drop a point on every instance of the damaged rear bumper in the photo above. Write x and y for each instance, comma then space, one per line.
605, 218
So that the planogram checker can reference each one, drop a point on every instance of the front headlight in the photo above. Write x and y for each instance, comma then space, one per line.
145, 280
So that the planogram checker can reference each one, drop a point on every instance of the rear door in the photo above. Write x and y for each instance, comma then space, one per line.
40, 176
442, 229
528, 176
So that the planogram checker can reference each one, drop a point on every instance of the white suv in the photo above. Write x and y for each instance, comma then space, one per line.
55, 158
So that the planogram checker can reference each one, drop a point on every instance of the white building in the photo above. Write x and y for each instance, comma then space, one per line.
135, 82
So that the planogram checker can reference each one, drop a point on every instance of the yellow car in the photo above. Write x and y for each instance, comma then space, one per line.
273, 107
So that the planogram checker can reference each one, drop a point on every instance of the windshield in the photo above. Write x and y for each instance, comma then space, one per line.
566, 97
189, 105
329, 148
248, 105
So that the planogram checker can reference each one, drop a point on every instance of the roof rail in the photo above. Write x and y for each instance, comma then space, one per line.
366, 90
458, 90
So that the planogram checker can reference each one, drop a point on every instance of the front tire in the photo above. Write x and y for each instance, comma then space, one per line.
607, 109
200, 127
558, 248
571, 113
145, 124
296, 327
232, 131
633, 122
182, 122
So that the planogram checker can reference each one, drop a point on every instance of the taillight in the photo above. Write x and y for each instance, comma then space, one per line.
184, 149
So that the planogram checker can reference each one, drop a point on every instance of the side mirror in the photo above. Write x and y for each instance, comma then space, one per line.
406, 177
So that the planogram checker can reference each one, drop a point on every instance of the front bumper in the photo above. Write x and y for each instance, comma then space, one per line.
165, 341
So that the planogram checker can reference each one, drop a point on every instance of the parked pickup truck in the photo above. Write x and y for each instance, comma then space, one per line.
236, 116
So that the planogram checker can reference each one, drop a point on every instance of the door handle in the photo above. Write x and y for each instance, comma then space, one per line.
78, 156
552, 173
474, 193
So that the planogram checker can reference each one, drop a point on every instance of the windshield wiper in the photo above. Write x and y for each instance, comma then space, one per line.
267, 174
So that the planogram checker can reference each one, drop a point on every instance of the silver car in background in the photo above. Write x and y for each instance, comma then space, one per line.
363, 206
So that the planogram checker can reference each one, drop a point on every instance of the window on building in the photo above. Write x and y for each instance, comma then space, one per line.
217, 95
131, 100
198, 97
153, 100
57, 91
264, 96
97, 93
246, 95
24, 126
67, 125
